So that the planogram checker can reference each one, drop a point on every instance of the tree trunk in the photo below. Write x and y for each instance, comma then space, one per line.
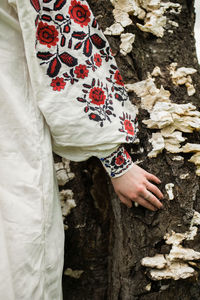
106, 240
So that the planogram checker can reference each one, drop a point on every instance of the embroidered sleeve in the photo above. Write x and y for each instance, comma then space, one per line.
117, 163
75, 79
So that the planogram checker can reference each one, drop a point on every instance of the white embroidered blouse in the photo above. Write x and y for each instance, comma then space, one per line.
76, 82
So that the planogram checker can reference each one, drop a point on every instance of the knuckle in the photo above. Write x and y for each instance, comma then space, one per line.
140, 189
132, 196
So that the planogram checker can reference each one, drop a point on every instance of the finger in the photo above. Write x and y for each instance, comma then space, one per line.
125, 201
152, 177
153, 200
152, 188
145, 203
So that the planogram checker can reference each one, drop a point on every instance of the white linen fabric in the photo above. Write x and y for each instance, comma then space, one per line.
59, 88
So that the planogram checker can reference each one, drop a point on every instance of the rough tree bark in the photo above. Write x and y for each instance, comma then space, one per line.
105, 239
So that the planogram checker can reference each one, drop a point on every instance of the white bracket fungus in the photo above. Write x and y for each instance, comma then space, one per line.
170, 118
76, 274
63, 172
150, 11
169, 190
127, 39
183, 76
67, 203
196, 157
178, 263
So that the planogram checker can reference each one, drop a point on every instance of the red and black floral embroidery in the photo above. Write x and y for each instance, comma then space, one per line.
98, 100
73, 51
58, 84
117, 163
118, 78
117, 84
47, 34
79, 13
87, 41
129, 126
81, 71
97, 96
97, 60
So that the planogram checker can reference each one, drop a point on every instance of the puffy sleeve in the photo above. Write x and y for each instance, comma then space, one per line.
76, 82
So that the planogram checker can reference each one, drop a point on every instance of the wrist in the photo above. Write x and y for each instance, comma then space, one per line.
117, 163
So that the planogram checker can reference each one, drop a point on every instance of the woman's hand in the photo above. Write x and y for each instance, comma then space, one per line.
135, 185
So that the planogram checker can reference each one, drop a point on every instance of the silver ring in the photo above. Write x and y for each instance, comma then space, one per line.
148, 197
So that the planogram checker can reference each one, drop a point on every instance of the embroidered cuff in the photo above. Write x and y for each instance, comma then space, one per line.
117, 163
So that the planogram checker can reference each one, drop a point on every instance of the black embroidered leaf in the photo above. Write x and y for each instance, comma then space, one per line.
108, 112
46, 18
87, 86
44, 55
98, 41
110, 107
59, 17
81, 99
63, 41
93, 82
88, 62
86, 109
94, 117
72, 72
108, 50
66, 75
108, 79
54, 67
113, 67
70, 44
47, 1
46, 8
68, 59
92, 108
94, 23
85, 91
36, 4
59, 4
117, 89
80, 35
87, 50
108, 118
36, 20
118, 97
78, 46
66, 29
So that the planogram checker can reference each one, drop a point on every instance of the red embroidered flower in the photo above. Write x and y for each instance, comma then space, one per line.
81, 71
58, 84
97, 96
128, 127
47, 34
79, 13
97, 60
118, 78
119, 160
